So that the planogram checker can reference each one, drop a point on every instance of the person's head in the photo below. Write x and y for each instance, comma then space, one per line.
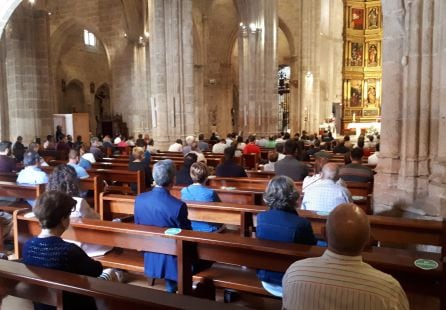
73, 156
194, 146
107, 139
19, 139
179, 141
223, 141
330, 171
69, 138
361, 144
63, 138
31, 158
190, 139
189, 159
140, 136
199, 172
58, 128
94, 141
320, 159
201, 137
281, 194
286, 136
5, 147
356, 154
49, 138
273, 156
64, 179
138, 153
229, 153
347, 230
79, 139
239, 139
53, 209
164, 173
317, 143
252, 139
151, 142
346, 138
290, 147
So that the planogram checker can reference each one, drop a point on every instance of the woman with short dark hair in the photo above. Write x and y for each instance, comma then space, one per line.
281, 223
49, 250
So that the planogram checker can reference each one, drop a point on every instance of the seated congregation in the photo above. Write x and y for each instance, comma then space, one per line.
304, 237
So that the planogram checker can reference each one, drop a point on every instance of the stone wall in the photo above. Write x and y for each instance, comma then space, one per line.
411, 170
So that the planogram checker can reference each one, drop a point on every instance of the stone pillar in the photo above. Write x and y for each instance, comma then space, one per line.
411, 170
28, 74
310, 102
258, 66
171, 70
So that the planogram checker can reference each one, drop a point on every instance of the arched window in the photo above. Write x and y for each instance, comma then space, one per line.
89, 38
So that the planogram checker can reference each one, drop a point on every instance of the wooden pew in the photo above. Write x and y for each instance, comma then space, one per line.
113, 206
260, 174
8, 176
12, 189
229, 250
95, 184
392, 230
46, 286
230, 195
20, 192
122, 176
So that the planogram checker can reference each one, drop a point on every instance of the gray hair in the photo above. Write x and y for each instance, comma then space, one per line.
164, 172
281, 194
330, 171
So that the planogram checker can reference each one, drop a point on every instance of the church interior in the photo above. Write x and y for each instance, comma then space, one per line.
176, 68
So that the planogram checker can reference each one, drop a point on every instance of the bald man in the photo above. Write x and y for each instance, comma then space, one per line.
326, 194
339, 279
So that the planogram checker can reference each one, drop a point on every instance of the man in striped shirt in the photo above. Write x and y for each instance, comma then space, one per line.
339, 279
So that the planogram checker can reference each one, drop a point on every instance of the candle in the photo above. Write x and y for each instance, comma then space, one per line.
354, 117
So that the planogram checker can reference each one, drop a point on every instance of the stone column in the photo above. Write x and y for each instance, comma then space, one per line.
171, 70
258, 66
411, 171
28, 74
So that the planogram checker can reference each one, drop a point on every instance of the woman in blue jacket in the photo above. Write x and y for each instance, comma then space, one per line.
281, 223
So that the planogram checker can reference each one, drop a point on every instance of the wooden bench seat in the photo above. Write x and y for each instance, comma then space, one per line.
46, 286
234, 250
113, 206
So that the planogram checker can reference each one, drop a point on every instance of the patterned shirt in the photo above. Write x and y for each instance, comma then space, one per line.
325, 196
335, 281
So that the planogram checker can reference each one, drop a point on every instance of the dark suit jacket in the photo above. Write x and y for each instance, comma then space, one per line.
292, 168
230, 169
159, 208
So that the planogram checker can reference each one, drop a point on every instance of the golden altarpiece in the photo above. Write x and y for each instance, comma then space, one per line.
362, 67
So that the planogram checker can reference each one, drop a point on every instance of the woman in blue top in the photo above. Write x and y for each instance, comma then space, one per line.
281, 223
198, 192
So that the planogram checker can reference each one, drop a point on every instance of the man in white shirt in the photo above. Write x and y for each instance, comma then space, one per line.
373, 159
339, 279
326, 195
177, 146
220, 146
